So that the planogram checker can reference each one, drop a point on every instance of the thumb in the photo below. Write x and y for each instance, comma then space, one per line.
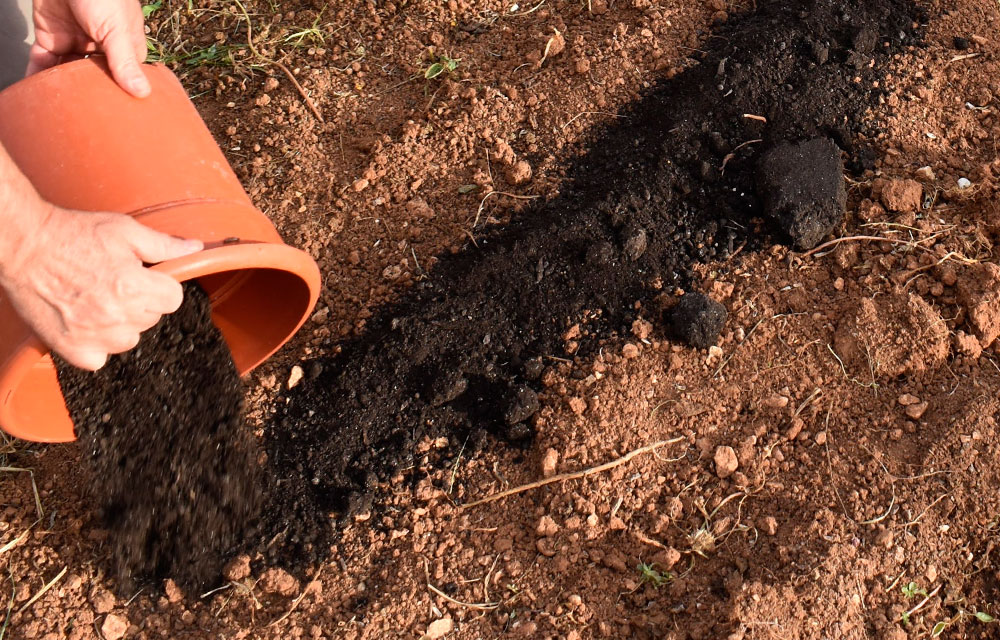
121, 52
88, 359
152, 247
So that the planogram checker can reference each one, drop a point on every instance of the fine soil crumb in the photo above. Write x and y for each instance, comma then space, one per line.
698, 320
802, 186
171, 464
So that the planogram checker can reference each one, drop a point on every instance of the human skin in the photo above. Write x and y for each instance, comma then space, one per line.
79, 279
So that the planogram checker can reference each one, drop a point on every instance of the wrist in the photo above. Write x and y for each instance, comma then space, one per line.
23, 215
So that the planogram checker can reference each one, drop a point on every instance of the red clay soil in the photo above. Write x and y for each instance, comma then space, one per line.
832, 466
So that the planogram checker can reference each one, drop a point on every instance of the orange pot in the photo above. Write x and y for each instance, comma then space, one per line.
85, 144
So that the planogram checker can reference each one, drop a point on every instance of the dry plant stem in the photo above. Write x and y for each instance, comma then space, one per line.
572, 476
284, 69
484, 606
295, 603
42, 591
922, 602
16, 541
909, 243
302, 92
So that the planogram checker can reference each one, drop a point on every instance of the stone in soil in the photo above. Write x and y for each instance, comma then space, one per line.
697, 320
802, 186
172, 466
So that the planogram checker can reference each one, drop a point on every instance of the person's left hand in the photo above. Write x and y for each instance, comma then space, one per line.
65, 29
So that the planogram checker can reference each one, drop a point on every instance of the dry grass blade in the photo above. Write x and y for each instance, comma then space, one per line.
915, 244
16, 541
573, 475
482, 606
295, 603
284, 69
42, 591
34, 487
10, 603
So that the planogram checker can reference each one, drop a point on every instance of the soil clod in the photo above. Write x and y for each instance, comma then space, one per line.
697, 320
802, 186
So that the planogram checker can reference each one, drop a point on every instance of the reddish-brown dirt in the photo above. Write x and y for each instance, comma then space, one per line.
832, 466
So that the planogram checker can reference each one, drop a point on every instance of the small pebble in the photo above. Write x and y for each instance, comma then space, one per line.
114, 627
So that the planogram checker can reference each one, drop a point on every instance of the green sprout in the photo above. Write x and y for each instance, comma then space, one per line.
650, 575
443, 65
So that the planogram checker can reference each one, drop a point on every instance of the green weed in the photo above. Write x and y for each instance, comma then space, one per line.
649, 575
443, 66
911, 591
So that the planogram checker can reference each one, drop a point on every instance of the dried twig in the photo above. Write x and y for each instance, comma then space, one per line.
836, 241
482, 606
922, 603
964, 56
482, 204
34, 486
302, 92
257, 54
16, 541
732, 154
41, 593
295, 603
573, 475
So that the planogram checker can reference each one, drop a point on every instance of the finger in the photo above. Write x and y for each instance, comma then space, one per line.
124, 342
145, 319
152, 247
139, 43
124, 63
40, 59
161, 293
88, 359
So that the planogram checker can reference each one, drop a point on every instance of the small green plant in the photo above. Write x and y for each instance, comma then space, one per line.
981, 616
312, 34
443, 65
911, 591
650, 575
151, 8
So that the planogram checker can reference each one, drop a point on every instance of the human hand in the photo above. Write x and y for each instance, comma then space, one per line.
80, 284
73, 28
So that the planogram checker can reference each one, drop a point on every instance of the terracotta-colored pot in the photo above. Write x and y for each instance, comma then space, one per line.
85, 144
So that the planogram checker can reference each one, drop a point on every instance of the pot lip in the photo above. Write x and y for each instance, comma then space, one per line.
96, 61
238, 256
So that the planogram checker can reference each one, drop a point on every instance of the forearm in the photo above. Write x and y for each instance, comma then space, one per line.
22, 212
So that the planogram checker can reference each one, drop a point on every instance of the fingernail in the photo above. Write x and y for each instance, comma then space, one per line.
138, 85
194, 246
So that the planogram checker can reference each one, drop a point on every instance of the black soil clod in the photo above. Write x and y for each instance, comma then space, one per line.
523, 406
802, 186
172, 466
697, 320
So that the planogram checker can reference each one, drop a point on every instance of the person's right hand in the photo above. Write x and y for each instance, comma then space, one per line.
79, 282
65, 29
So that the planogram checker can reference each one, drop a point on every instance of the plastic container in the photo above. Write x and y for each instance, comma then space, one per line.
85, 144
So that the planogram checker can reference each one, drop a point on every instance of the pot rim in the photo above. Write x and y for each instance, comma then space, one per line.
235, 257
